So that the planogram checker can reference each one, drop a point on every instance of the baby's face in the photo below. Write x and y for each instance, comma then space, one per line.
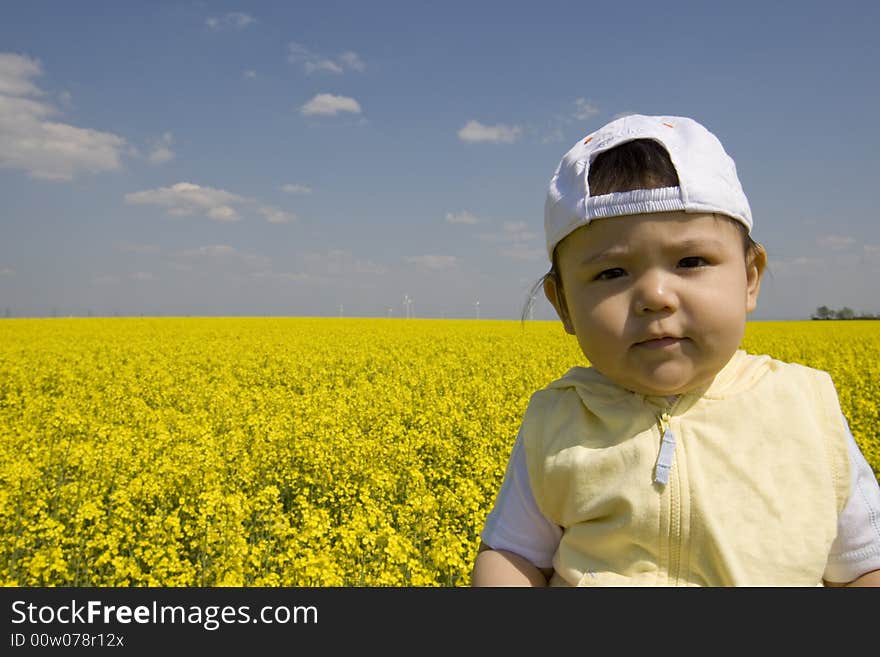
658, 301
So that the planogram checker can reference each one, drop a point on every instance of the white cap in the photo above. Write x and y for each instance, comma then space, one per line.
706, 175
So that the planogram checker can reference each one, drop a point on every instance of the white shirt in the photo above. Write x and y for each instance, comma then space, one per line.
517, 525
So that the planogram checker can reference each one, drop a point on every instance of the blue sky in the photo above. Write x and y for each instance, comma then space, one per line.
312, 158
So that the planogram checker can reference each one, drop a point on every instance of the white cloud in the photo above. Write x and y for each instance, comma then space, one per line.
223, 213
106, 279
142, 276
250, 74
128, 247
516, 231
474, 131
353, 61
795, 262
620, 115
554, 136
313, 62
515, 241
222, 254
296, 188
337, 262
432, 261
162, 152
329, 105
327, 65
511, 232
234, 20
183, 199
334, 268
276, 216
584, 109
211, 251
296, 277
523, 252
463, 217
46, 149
7, 271
561, 124
310, 61
835, 242
16, 72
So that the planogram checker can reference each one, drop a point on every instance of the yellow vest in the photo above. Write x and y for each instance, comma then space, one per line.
758, 472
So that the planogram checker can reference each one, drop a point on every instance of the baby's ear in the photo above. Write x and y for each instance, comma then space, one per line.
556, 297
756, 263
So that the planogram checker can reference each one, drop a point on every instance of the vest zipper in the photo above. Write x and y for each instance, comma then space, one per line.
667, 451
674, 531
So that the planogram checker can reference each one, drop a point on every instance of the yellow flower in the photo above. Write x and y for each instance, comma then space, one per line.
292, 452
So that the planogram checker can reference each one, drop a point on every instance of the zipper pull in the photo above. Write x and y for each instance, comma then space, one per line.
666, 453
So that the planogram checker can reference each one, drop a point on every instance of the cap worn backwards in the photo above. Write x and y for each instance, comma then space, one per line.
706, 174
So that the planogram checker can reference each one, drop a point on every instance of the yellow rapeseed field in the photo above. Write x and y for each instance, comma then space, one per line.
292, 452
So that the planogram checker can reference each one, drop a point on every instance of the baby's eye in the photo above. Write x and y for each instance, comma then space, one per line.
609, 274
692, 261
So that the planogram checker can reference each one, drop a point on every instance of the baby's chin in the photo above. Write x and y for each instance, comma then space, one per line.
657, 392
666, 386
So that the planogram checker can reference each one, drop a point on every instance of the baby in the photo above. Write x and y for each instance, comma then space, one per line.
676, 458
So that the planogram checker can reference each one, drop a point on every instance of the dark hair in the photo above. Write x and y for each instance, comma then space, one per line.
636, 164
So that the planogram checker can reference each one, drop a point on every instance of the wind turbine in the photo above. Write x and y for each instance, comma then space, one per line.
477, 308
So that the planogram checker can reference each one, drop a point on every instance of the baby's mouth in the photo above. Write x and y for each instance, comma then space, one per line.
664, 342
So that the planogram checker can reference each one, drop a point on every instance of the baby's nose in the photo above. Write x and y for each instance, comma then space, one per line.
654, 292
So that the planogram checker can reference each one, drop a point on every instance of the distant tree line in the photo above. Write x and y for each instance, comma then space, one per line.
824, 312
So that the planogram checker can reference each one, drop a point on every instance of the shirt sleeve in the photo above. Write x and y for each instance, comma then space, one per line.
856, 550
515, 523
